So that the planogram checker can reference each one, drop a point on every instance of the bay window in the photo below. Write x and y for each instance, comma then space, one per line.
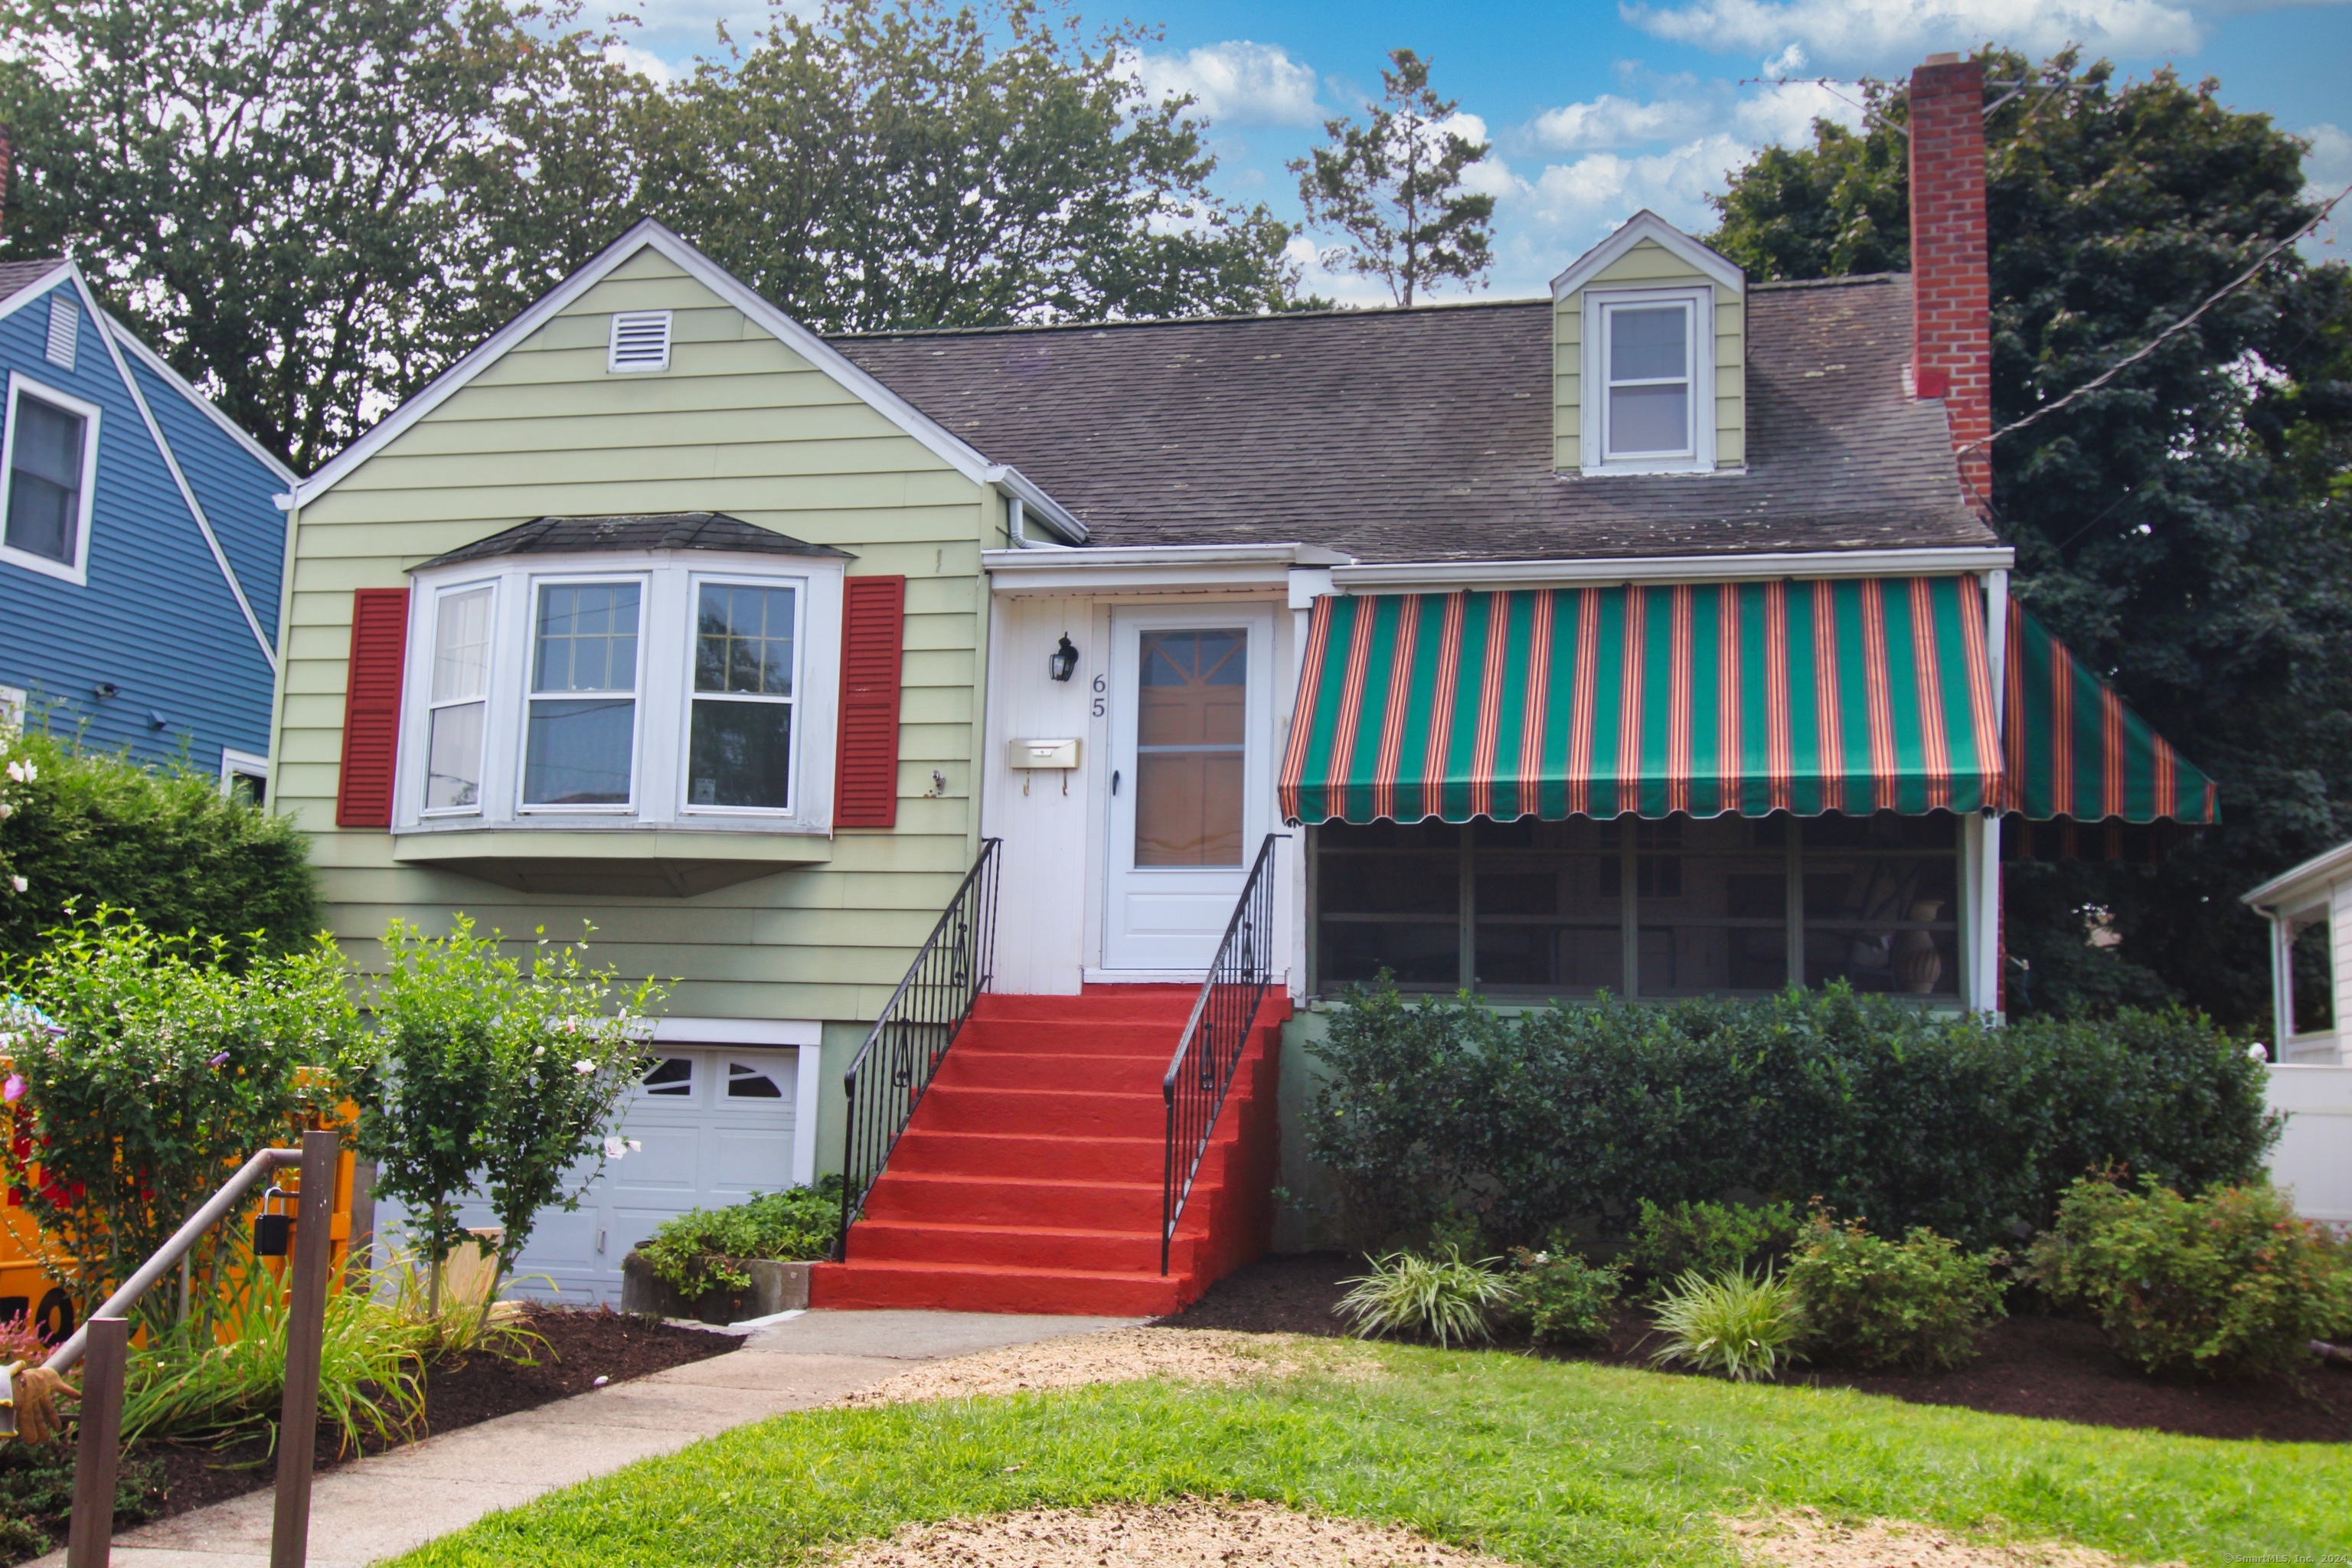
557, 695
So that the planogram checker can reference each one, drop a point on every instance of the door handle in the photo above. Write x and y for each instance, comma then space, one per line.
1114, 781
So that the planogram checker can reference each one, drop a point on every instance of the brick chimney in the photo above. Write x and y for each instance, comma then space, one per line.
1951, 312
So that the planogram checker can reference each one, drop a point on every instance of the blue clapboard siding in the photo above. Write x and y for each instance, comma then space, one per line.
156, 616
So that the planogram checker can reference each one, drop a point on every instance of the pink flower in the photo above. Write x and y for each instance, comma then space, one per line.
13, 1089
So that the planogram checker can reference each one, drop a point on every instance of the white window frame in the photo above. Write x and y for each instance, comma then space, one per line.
13, 701
424, 736
76, 571
669, 581
237, 764
695, 583
539, 584
1599, 304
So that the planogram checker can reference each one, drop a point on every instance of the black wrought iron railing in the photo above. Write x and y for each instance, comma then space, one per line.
1202, 1068
902, 1055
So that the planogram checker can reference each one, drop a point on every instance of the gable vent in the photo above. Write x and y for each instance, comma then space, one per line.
640, 341
65, 326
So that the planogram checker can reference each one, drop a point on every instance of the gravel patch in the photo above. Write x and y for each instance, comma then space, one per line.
1120, 1355
1804, 1539
1191, 1533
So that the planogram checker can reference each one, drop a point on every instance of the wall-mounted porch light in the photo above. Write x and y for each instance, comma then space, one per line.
1063, 662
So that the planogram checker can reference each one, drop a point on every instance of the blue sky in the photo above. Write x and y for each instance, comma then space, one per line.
1597, 110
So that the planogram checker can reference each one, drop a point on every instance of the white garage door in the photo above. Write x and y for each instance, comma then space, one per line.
716, 1125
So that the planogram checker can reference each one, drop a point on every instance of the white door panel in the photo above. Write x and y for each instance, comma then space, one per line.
1191, 788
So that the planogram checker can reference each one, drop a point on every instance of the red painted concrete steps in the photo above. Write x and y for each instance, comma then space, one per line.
1029, 1179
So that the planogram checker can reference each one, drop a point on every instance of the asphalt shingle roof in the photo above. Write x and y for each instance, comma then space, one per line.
16, 275
644, 531
1426, 433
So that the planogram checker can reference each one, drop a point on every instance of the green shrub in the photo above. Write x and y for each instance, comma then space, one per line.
2232, 1284
1446, 1297
690, 1251
1563, 1299
1707, 1237
1738, 1324
1881, 1109
36, 1494
90, 827
1917, 1304
159, 1068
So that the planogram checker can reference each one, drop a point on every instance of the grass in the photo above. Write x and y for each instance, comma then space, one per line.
1539, 1462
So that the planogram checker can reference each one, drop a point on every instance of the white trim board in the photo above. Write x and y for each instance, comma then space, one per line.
778, 1033
647, 234
37, 288
76, 571
1412, 576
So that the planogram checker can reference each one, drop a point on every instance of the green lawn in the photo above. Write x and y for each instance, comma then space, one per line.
1539, 1462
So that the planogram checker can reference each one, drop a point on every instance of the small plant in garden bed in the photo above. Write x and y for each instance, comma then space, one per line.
1738, 1324
1562, 1299
2232, 1284
1707, 1238
1444, 1297
1917, 1304
37, 1494
694, 1253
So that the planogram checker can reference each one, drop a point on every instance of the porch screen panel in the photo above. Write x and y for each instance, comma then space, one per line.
2076, 749
1653, 699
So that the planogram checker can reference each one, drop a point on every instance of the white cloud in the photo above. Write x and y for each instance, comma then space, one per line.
1233, 83
1609, 121
2327, 169
643, 61
1894, 33
1591, 196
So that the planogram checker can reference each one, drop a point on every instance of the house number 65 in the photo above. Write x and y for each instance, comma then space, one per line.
1102, 684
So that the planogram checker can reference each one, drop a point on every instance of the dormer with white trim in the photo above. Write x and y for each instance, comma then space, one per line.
1649, 351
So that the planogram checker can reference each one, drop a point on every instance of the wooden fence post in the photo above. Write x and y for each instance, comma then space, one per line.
89, 1534
298, 1421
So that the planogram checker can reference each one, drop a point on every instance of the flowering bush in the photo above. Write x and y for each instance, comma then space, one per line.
2232, 1284
496, 1076
142, 1068
1919, 1302
1564, 1300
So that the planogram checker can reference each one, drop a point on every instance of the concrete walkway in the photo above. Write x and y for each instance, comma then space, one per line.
380, 1507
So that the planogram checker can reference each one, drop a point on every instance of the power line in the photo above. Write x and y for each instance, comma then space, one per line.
2182, 325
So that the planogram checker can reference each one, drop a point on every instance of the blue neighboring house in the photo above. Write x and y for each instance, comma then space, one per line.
143, 547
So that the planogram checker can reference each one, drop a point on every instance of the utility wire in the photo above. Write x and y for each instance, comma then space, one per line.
2182, 325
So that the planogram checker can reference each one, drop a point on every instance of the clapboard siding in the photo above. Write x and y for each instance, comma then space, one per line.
739, 423
156, 617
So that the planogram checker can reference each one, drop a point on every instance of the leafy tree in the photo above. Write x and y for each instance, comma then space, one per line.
889, 164
1393, 186
2185, 526
142, 1068
491, 1073
271, 190
161, 843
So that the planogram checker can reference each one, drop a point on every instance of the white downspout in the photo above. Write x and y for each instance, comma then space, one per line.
1987, 942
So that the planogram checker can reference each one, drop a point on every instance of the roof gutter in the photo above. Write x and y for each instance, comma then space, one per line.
1018, 486
1407, 576
2270, 898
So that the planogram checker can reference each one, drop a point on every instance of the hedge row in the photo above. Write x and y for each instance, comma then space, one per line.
1568, 1113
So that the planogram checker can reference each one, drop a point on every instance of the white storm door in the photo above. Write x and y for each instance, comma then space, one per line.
1191, 781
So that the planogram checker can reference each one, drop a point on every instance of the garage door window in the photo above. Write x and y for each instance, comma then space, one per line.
745, 1081
672, 1078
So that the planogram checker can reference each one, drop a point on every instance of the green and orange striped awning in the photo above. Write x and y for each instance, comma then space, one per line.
2076, 749
1850, 695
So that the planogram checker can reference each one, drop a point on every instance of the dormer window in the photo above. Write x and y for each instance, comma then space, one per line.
1649, 403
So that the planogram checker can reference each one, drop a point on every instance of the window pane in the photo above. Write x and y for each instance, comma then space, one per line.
672, 1076
577, 753
452, 774
1648, 345
1648, 420
1713, 900
1882, 901
1549, 921
741, 755
743, 640
745, 1081
1419, 956
45, 490
587, 638
461, 645
1191, 706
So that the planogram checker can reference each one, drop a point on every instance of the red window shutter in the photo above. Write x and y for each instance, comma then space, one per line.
371, 706
873, 631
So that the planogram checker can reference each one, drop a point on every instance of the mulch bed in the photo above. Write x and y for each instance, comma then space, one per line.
2056, 1368
580, 1346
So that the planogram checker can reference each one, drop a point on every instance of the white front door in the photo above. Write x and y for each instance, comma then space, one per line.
1192, 787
